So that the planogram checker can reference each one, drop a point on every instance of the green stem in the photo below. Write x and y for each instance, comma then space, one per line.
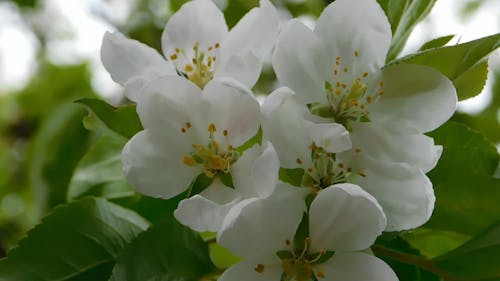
413, 260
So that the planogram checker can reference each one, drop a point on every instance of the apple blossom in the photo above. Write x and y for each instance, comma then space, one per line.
338, 71
342, 221
197, 45
188, 132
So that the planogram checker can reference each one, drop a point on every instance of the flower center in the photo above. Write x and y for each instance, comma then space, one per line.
198, 65
326, 170
348, 96
300, 264
214, 159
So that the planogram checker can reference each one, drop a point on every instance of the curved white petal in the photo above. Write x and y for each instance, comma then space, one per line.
361, 27
170, 102
198, 21
404, 191
246, 271
301, 62
255, 174
416, 99
385, 145
206, 211
248, 43
232, 107
287, 124
152, 162
125, 58
356, 267
263, 224
242, 66
343, 217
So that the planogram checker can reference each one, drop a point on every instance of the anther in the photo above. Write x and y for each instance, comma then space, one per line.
217, 45
188, 125
349, 169
177, 50
362, 174
365, 74
287, 242
259, 268
188, 160
225, 133
345, 69
320, 274
357, 150
173, 56
183, 129
212, 128
380, 93
381, 83
298, 161
356, 53
188, 68
369, 99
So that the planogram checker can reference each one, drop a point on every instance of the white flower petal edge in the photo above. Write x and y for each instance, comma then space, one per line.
404, 191
151, 163
263, 224
357, 267
127, 59
364, 30
344, 217
292, 128
384, 144
198, 21
301, 62
417, 99
248, 43
206, 211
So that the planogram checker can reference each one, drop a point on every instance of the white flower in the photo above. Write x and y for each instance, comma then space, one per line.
188, 132
197, 45
255, 176
305, 141
337, 70
276, 244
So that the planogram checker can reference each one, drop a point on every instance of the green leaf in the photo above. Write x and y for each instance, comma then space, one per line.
122, 120
432, 243
221, 256
292, 176
466, 193
99, 172
54, 153
403, 16
463, 64
77, 241
437, 42
166, 251
478, 259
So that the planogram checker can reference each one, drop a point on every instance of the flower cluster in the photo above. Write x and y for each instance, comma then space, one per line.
347, 128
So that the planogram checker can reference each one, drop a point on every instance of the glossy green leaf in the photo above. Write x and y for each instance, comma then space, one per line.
167, 251
122, 120
99, 172
478, 259
432, 243
463, 64
77, 241
403, 16
437, 42
466, 193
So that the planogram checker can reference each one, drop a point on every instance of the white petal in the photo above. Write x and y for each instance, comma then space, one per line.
255, 174
198, 21
124, 59
168, 103
356, 267
207, 210
301, 63
404, 191
152, 162
264, 225
349, 26
243, 66
248, 43
344, 217
385, 145
416, 99
245, 271
231, 107
287, 124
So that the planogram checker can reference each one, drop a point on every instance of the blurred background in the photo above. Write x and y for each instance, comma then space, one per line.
49, 57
